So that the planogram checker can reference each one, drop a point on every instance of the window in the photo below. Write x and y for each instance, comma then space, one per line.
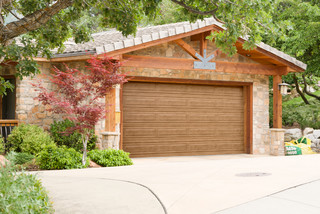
8, 102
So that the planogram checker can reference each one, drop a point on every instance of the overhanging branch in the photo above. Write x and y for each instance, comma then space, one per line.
305, 89
295, 79
33, 21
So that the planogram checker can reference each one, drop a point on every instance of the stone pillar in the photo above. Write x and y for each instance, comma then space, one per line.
110, 140
277, 142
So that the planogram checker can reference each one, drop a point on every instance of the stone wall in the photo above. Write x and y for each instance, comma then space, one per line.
29, 110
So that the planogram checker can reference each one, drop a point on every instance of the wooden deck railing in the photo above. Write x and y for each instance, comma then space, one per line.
6, 127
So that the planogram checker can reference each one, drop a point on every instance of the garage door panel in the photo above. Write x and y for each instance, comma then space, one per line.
215, 117
141, 133
194, 102
218, 126
216, 132
182, 148
178, 119
185, 94
204, 109
137, 132
171, 102
155, 102
172, 132
143, 101
141, 117
137, 142
172, 117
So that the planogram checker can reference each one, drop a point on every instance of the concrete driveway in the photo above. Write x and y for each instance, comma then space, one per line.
179, 185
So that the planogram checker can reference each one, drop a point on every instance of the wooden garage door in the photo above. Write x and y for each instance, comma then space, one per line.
180, 119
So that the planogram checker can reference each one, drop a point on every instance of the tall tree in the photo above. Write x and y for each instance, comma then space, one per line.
42, 25
301, 39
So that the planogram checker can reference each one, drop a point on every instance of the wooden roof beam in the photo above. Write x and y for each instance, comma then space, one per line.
185, 46
203, 44
188, 64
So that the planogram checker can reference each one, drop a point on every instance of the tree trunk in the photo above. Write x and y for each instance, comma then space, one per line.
85, 143
305, 90
299, 91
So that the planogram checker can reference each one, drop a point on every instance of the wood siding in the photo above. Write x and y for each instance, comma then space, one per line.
163, 119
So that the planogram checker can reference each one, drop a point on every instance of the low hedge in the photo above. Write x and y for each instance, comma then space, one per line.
29, 139
110, 157
53, 157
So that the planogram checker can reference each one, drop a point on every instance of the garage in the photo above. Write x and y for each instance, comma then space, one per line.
184, 96
172, 119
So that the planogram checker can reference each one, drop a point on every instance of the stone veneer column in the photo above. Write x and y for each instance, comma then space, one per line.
110, 140
277, 142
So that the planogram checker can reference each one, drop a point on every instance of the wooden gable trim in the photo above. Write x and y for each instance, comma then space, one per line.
187, 64
267, 55
293, 67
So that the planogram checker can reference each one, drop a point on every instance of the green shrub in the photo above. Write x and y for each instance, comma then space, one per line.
19, 158
22, 193
304, 115
29, 139
110, 157
73, 140
1, 145
53, 157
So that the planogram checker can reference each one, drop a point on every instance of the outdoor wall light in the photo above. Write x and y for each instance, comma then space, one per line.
283, 87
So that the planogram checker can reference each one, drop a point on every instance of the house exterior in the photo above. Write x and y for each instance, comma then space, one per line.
183, 97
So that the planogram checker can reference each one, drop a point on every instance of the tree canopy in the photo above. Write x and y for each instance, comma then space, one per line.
42, 25
31, 28
300, 39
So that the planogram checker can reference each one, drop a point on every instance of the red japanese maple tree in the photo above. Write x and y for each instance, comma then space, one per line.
78, 94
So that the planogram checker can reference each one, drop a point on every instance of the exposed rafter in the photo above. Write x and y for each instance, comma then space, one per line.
185, 46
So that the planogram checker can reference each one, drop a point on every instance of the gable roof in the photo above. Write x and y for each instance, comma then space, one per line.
113, 41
